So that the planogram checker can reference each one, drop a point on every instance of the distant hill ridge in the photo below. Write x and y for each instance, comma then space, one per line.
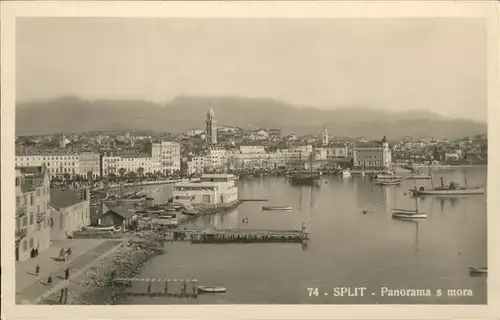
72, 114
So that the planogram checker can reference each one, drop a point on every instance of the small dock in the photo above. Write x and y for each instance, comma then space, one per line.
253, 199
161, 287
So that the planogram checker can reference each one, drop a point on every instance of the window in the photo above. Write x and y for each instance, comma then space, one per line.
18, 201
32, 199
18, 223
32, 218
25, 221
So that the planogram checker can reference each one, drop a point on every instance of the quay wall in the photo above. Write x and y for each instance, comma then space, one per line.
95, 287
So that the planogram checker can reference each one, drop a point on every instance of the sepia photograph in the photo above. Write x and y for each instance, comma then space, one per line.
247, 160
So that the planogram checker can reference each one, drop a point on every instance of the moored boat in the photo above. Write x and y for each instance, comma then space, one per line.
346, 173
211, 289
276, 208
393, 182
409, 215
447, 191
478, 271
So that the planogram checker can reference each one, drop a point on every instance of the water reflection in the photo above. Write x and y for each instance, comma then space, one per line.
415, 224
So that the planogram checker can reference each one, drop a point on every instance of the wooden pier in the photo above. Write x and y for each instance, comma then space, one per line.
161, 287
253, 199
241, 236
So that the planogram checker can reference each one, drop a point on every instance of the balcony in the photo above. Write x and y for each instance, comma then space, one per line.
40, 216
20, 234
21, 210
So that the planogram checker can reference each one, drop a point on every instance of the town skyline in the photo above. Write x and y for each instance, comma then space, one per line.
428, 64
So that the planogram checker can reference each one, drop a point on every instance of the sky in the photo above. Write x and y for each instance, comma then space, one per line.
392, 64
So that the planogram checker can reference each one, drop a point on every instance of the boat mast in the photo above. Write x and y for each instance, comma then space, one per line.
465, 178
416, 204
432, 181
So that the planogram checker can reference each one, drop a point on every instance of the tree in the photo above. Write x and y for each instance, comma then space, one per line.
111, 176
122, 173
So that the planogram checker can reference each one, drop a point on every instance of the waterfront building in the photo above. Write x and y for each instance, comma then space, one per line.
90, 162
320, 154
118, 217
33, 216
373, 156
168, 154
210, 128
338, 150
197, 165
212, 190
57, 163
217, 157
129, 163
70, 211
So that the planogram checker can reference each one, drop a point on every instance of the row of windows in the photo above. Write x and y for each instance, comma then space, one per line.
50, 158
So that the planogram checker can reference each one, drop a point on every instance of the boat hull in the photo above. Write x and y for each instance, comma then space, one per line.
406, 215
447, 192
211, 289
276, 208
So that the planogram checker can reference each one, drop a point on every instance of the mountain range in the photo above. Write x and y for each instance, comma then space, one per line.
72, 114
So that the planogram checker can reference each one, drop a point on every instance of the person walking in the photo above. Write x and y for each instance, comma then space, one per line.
66, 273
49, 280
37, 269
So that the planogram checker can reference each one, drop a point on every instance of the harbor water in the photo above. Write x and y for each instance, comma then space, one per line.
347, 247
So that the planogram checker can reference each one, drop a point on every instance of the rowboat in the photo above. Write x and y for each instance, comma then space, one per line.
346, 173
478, 271
276, 208
390, 182
447, 191
409, 215
211, 289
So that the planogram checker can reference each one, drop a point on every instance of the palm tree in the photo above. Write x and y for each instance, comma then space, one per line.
122, 173
140, 172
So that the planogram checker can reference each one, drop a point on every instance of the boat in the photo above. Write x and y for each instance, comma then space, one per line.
384, 175
478, 271
447, 191
276, 208
305, 177
408, 213
211, 289
393, 182
346, 173
190, 212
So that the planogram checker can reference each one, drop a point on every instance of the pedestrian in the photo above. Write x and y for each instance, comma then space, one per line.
49, 280
61, 253
68, 251
66, 273
37, 269
36, 252
32, 253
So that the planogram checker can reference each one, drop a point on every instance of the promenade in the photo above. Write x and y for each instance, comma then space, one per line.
31, 288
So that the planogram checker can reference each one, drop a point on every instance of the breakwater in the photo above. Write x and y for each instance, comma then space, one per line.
96, 286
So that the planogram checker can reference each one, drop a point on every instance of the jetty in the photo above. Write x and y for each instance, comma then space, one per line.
241, 236
182, 288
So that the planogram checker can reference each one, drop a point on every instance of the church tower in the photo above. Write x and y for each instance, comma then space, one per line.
324, 137
210, 128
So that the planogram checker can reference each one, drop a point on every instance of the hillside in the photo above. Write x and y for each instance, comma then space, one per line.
71, 114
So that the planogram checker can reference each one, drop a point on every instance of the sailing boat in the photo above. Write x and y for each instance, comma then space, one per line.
408, 213
305, 177
451, 189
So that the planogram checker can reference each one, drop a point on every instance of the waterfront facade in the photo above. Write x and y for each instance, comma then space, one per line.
373, 156
168, 154
70, 211
33, 215
211, 190
57, 163
90, 163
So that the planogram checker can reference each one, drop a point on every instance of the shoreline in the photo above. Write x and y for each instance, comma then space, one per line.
95, 287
